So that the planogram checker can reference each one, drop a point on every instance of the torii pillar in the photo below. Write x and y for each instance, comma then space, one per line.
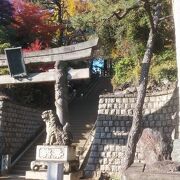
61, 99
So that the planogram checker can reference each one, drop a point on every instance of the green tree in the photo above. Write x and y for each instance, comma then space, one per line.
62, 11
6, 12
6, 17
130, 29
125, 37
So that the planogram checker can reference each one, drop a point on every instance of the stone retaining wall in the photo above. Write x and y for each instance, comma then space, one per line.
18, 124
114, 122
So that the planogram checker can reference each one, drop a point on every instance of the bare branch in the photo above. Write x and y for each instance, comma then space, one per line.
120, 15
165, 17
157, 14
153, 16
148, 10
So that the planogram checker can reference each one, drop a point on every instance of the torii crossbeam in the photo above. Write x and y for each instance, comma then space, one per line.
78, 52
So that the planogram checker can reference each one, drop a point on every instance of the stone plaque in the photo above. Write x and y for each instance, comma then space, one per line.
55, 153
16, 62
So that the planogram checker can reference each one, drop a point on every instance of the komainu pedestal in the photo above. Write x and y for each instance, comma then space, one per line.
46, 155
57, 156
55, 153
65, 154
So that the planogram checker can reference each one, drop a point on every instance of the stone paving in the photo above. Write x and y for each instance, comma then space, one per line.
135, 173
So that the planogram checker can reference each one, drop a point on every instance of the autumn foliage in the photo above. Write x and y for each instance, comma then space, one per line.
34, 26
82, 6
31, 22
34, 46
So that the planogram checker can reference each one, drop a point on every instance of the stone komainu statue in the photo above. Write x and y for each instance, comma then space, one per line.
56, 133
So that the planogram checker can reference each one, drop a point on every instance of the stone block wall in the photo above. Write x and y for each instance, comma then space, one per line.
113, 124
18, 124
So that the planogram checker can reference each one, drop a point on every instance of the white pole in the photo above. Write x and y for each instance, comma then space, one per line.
55, 171
176, 13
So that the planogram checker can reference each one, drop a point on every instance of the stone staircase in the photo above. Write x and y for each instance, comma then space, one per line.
23, 164
83, 116
83, 113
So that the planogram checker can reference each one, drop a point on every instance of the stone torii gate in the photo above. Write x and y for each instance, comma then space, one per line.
60, 56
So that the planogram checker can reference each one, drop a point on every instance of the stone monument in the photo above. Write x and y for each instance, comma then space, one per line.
56, 133
56, 154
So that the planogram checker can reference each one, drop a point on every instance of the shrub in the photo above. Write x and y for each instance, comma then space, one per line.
164, 66
3, 46
127, 70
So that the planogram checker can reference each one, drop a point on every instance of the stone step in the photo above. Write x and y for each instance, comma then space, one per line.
28, 159
80, 131
43, 175
23, 163
80, 141
18, 171
135, 172
79, 138
25, 158
31, 154
13, 177
22, 167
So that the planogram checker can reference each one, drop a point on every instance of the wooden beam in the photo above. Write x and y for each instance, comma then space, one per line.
76, 55
49, 76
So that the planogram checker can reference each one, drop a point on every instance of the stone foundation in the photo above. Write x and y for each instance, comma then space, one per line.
18, 124
113, 124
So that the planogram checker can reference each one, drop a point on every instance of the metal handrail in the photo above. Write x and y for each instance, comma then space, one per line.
90, 134
27, 148
85, 150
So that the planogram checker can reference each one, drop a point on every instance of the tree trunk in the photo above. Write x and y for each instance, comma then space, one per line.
137, 115
135, 130
61, 7
61, 96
